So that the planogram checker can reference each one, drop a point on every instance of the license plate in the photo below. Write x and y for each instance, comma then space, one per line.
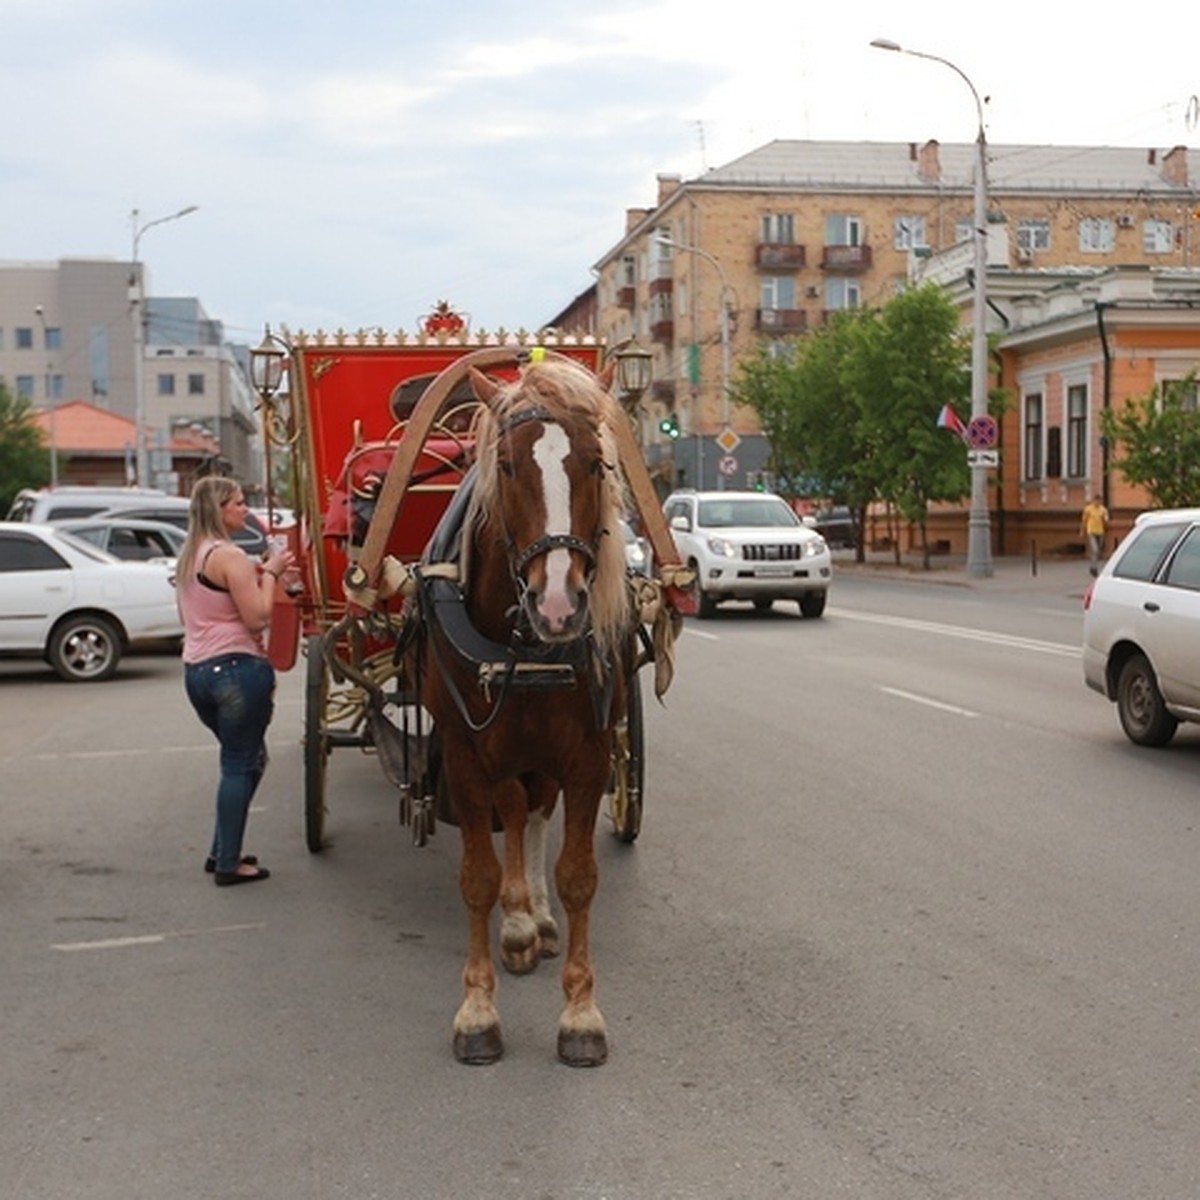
773, 571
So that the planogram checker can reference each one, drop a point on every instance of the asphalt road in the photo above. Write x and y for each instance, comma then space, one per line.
908, 919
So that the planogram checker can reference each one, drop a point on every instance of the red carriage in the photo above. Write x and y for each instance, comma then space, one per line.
460, 612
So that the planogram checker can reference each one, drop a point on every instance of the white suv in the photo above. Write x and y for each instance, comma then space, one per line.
749, 546
1141, 626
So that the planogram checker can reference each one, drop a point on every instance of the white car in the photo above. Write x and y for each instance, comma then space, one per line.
749, 546
1141, 626
129, 538
75, 605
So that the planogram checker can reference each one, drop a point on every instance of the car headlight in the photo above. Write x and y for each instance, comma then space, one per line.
723, 547
814, 546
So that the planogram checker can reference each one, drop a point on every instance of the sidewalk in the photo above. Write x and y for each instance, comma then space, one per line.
1063, 577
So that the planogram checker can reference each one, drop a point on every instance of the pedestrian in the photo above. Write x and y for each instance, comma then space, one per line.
1094, 525
225, 601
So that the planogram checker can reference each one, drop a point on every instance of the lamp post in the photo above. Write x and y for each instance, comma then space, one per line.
979, 535
671, 244
266, 373
137, 310
51, 401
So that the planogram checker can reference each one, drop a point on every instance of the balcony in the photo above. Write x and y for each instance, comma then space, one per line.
664, 285
663, 331
778, 256
781, 320
626, 297
846, 258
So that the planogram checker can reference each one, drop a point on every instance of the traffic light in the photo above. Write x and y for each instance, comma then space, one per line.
670, 426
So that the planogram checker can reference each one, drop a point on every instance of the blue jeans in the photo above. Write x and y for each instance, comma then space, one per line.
234, 695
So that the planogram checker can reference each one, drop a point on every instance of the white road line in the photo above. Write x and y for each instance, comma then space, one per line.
154, 939
973, 635
700, 633
950, 708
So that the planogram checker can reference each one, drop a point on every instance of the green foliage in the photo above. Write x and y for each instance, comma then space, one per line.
851, 414
1156, 443
24, 459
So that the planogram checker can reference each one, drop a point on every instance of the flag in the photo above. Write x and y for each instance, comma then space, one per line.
949, 419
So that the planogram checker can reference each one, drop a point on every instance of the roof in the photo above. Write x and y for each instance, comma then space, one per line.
84, 428
881, 165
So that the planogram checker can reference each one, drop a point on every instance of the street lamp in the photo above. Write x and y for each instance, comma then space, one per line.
137, 310
671, 244
979, 536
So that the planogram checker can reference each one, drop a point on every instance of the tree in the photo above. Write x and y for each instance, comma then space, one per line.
854, 409
24, 459
908, 364
1156, 442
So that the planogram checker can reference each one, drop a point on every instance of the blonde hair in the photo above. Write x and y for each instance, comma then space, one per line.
209, 496
573, 397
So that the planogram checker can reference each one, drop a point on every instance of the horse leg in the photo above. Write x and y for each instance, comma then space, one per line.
477, 1037
543, 792
518, 930
582, 1036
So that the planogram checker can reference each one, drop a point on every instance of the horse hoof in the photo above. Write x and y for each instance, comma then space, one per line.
478, 1049
582, 1049
520, 960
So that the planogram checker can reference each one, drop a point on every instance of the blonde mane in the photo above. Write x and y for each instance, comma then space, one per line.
573, 397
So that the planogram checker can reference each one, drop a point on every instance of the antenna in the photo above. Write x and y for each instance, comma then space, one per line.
700, 139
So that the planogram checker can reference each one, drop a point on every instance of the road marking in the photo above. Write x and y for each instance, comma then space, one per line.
154, 939
939, 704
1012, 641
700, 633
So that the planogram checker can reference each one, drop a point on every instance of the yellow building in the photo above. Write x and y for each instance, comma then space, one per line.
767, 246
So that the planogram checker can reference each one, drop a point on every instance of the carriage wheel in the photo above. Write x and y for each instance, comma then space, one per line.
625, 800
316, 744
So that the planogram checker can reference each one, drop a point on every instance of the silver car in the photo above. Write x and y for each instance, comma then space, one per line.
1141, 626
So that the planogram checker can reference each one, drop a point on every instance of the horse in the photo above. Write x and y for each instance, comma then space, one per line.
544, 586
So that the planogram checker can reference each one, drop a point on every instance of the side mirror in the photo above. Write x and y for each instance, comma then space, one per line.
681, 523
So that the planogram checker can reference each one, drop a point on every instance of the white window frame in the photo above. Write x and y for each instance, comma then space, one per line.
778, 229
1033, 472
778, 292
908, 232
842, 292
1033, 233
1076, 394
1097, 235
1158, 237
841, 229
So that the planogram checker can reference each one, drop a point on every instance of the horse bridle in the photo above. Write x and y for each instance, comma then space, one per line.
548, 541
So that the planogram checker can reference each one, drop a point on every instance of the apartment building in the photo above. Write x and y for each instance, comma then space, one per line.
767, 246
67, 334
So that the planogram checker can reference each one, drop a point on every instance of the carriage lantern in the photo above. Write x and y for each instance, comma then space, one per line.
266, 366
633, 371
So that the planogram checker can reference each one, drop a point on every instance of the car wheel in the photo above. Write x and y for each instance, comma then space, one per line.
812, 604
85, 649
1140, 706
708, 606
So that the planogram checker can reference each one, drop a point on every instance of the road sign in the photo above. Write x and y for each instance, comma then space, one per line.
728, 441
983, 433
983, 458
727, 465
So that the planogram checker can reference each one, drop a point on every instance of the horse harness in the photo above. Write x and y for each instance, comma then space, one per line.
524, 663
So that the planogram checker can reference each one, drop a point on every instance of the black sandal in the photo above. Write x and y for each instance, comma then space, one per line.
247, 860
230, 878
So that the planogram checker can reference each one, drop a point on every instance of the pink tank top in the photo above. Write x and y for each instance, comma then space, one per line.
212, 625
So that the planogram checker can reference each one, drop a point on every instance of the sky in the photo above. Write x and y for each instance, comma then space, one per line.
353, 163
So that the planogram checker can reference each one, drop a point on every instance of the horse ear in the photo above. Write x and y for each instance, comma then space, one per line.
607, 376
485, 388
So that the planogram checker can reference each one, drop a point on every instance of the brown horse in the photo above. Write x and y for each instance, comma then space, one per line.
544, 585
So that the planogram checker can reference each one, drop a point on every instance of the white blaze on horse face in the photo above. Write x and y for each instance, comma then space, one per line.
551, 450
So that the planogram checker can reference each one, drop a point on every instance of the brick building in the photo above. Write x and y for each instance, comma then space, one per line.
795, 230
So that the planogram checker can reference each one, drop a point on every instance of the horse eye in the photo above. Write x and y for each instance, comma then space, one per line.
598, 466
507, 468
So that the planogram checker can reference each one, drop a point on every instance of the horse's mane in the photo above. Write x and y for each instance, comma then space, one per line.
573, 397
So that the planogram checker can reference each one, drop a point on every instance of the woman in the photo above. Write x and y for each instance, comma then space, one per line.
225, 601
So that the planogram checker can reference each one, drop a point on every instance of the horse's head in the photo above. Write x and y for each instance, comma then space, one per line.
548, 478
